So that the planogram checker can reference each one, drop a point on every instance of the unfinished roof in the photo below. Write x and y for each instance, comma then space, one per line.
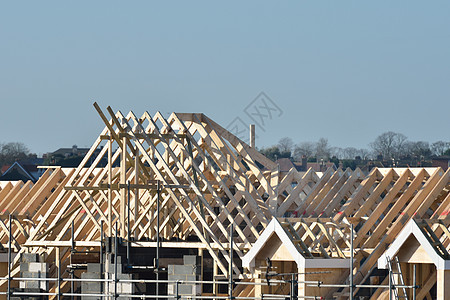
209, 179
433, 251
290, 249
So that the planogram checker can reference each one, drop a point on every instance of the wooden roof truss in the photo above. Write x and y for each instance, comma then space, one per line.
209, 179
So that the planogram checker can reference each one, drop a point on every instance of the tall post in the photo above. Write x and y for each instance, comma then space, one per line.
136, 192
115, 262
123, 171
102, 259
128, 224
72, 250
230, 271
200, 253
351, 262
292, 287
414, 282
158, 187
58, 263
390, 284
177, 296
9, 258
215, 273
71, 284
110, 191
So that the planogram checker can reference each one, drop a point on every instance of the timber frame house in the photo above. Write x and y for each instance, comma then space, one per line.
195, 181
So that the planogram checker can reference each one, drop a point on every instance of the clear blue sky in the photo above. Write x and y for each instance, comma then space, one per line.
344, 70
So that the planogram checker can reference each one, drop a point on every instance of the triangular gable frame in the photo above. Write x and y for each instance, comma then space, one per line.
411, 228
274, 227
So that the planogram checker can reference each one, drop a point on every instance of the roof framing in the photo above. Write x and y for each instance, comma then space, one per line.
210, 180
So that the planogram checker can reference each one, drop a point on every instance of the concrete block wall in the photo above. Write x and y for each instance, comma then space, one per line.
91, 287
189, 271
32, 266
122, 287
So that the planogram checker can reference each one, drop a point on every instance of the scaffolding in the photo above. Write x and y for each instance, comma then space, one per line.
186, 184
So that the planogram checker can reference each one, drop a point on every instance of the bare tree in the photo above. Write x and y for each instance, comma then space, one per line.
285, 144
13, 151
389, 144
364, 153
304, 148
350, 153
323, 150
417, 149
438, 148
14, 148
336, 151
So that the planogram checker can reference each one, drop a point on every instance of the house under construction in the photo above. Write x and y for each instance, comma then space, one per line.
180, 205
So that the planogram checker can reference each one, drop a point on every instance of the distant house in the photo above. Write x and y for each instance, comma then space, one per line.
285, 164
319, 166
301, 165
71, 157
441, 161
22, 170
66, 152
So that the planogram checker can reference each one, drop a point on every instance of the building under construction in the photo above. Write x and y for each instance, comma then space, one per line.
179, 207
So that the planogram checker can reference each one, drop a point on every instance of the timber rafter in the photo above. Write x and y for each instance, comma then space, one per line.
210, 180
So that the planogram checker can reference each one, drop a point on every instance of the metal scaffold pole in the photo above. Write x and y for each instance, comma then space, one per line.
351, 262
9, 259
72, 251
414, 282
115, 262
158, 187
390, 284
294, 295
58, 260
102, 259
230, 271
128, 224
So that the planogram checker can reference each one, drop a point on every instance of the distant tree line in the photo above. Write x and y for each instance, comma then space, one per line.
13, 151
387, 146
